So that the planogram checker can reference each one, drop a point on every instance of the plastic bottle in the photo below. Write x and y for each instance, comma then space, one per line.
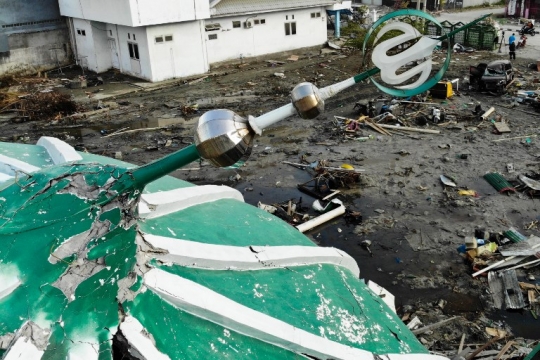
364, 138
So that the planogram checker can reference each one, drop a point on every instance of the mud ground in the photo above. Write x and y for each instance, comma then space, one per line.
415, 225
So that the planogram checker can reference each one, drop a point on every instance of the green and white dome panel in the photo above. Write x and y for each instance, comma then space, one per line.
176, 271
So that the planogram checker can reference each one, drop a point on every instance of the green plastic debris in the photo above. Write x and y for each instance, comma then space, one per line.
499, 183
514, 236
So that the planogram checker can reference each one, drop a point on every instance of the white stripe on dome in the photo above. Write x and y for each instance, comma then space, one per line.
59, 151
140, 344
30, 342
212, 306
84, 350
162, 203
8, 284
4, 177
9, 166
225, 257
23, 349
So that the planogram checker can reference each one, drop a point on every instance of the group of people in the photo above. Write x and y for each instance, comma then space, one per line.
521, 42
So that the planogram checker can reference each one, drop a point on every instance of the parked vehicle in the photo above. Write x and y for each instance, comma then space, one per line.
521, 42
527, 30
493, 77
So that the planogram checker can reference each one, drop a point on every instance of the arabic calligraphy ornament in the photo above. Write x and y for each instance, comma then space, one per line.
416, 79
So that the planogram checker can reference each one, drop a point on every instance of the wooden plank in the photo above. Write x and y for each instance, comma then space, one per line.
504, 349
406, 128
376, 127
502, 127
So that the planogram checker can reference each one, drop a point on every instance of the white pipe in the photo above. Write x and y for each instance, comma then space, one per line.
499, 263
332, 90
487, 113
493, 266
258, 124
522, 265
308, 225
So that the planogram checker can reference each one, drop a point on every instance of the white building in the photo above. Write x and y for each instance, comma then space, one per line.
162, 39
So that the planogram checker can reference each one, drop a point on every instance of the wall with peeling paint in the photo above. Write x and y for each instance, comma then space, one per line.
29, 31
36, 51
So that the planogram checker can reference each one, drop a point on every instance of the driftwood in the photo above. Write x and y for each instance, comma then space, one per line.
434, 326
406, 128
481, 348
135, 130
515, 138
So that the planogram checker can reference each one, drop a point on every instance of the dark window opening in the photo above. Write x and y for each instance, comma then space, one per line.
290, 28
133, 51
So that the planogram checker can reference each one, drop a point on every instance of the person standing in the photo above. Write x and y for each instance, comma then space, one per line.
512, 46
512, 51
512, 39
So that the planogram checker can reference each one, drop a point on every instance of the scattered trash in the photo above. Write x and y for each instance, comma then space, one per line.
447, 181
499, 183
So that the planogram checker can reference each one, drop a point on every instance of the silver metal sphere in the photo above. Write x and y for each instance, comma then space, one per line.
307, 100
223, 137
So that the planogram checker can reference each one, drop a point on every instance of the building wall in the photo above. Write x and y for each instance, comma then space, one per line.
94, 48
29, 30
136, 12
261, 39
33, 52
467, 3
84, 43
27, 16
182, 56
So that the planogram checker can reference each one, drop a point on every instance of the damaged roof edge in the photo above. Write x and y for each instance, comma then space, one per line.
243, 7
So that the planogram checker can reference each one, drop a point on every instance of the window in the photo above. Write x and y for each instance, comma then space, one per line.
290, 28
263, 21
212, 37
129, 36
81, 32
315, 15
236, 24
133, 51
110, 32
136, 39
212, 27
160, 39
259, 21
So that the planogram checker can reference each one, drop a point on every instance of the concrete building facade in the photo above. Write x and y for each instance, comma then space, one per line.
158, 40
33, 36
